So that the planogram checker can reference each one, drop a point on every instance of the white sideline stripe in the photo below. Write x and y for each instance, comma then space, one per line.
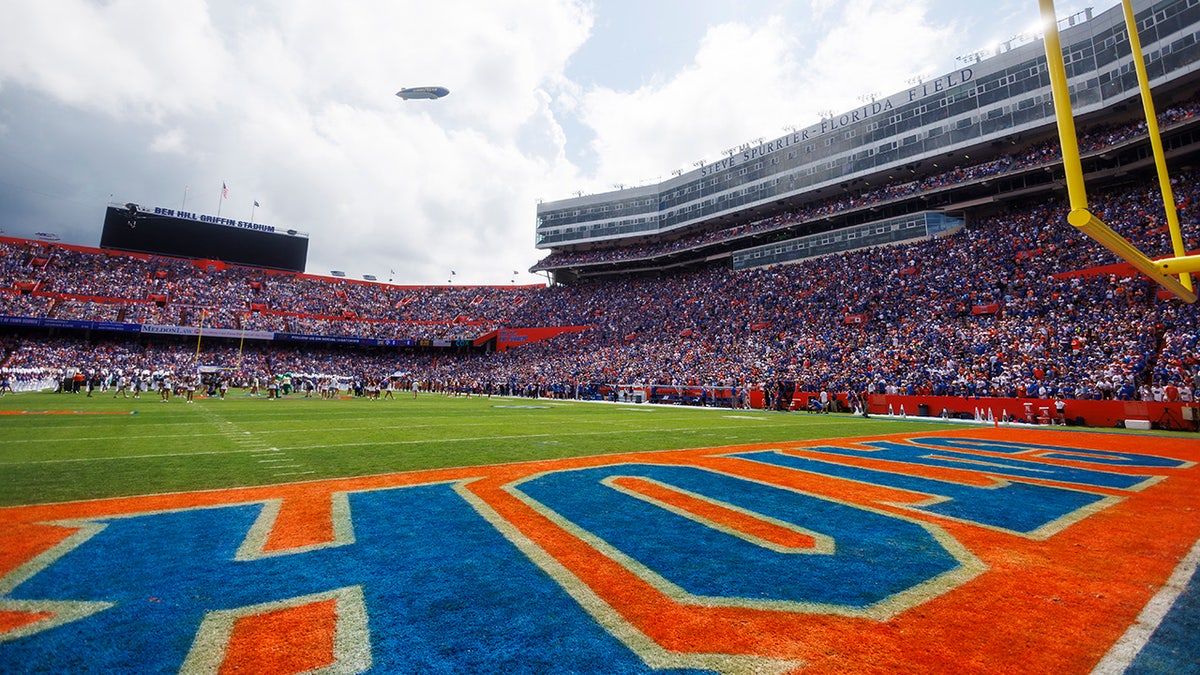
235, 439
110, 438
153, 456
1121, 655
766, 416
419, 441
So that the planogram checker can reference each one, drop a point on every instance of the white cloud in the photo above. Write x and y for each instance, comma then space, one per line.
874, 46
170, 141
123, 57
751, 81
291, 103
727, 95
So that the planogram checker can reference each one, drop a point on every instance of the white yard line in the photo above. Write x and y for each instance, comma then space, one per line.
1137, 636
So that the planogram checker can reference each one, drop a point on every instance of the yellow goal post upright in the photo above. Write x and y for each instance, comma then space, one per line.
1084, 220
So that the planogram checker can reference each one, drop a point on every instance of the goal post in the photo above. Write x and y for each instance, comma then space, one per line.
1080, 216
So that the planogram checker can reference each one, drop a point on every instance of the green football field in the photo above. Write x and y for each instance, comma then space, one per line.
952, 550
59, 447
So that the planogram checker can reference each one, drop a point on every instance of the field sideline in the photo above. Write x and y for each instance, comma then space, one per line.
516, 535
92, 447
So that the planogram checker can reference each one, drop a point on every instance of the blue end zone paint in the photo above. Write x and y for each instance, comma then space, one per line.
999, 466
1110, 457
444, 591
158, 571
1172, 647
1017, 507
876, 555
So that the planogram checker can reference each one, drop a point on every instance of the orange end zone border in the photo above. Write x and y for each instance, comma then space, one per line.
1055, 602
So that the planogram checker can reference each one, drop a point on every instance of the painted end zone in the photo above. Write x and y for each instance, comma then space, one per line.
986, 550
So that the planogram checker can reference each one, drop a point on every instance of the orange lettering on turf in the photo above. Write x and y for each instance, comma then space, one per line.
1088, 581
14, 620
721, 515
283, 641
20, 542
305, 519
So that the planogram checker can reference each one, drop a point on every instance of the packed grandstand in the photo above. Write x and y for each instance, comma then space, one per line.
1010, 303
1014, 304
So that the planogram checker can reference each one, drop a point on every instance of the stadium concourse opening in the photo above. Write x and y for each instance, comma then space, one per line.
916, 261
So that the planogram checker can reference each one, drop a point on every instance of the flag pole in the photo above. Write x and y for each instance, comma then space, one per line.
184, 203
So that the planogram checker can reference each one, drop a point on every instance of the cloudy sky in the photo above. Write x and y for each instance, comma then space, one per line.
291, 103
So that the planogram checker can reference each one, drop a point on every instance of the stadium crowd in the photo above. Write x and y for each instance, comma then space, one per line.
46, 280
1015, 304
1096, 139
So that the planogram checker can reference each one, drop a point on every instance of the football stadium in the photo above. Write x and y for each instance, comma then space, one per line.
665, 458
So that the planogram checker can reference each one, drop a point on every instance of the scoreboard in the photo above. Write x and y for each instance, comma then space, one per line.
189, 235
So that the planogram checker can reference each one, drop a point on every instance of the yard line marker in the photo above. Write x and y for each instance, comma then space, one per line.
1123, 652
150, 456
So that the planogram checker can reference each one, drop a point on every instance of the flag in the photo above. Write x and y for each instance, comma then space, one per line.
224, 191
256, 203
452, 272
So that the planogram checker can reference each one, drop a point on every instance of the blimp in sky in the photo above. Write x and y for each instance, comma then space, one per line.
422, 92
